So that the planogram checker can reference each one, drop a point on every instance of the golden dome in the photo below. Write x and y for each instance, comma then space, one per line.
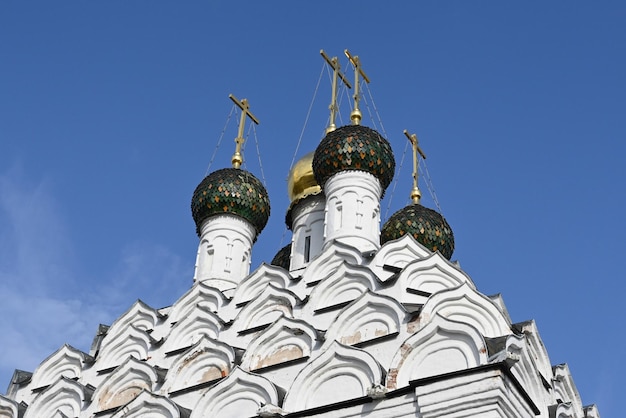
301, 181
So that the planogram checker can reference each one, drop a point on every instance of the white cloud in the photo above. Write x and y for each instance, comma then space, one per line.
44, 302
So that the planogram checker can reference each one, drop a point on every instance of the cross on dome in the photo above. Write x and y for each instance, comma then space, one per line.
237, 159
415, 192
334, 64
355, 116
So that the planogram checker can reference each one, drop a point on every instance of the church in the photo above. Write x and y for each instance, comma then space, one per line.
356, 317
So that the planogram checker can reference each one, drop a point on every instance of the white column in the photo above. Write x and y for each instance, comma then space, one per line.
353, 210
224, 253
308, 231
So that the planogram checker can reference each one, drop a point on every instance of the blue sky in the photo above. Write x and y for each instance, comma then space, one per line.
110, 113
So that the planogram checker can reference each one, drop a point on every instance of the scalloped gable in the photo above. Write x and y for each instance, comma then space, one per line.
65, 396
442, 346
254, 284
286, 339
139, 315
564, 388
368, 317
328, 260
190, 329
206, 361
156, 405
241, 394
515, 352
430, 275
200, 294
66, 361
398, 254
266, 308
8, 408
130, 342
538, 351
465, 304
353, 370
123, 384
345, 283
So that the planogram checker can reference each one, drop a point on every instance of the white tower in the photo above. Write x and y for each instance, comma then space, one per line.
230, 208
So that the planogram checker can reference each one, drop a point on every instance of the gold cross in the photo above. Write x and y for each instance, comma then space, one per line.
415, 192
355, 116
237, 159
334, 64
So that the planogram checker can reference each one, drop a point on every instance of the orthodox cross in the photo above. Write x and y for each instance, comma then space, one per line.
415, 192
355, 116
334, 64
237, 159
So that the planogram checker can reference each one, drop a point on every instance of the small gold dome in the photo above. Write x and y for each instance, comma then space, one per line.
301, 181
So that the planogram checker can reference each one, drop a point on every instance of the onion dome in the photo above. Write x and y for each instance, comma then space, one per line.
282, 257
301, 184
233, 191
354, 147
427, 226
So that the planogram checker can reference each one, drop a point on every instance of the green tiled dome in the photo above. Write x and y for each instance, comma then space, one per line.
354, 147
428, 228
282, 257
234, 191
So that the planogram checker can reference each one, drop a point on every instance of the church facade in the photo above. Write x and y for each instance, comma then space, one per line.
351, 319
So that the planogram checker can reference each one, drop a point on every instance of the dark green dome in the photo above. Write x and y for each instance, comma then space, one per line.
354, 147
428, 228
282, 257
233, 191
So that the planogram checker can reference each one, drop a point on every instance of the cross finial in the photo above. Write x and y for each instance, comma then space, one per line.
237, 159
334, 64
355, 116
415, 192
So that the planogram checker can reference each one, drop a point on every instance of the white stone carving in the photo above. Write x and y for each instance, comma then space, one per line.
538, 352
200, 294
442, 346
65, 397
8, 408
266, 308
286, 339
148, 405
429, 275
398, 254
565, 390
140, 316
328, 261
66, 361
464, 304
241, 394
516, 354
117, 347
369, 316
346, 283
352, 370
563, 410
123, 384
206, 361
190, 329
255, 283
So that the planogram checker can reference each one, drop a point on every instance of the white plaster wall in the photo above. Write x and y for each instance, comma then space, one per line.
353, 209
224, 251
